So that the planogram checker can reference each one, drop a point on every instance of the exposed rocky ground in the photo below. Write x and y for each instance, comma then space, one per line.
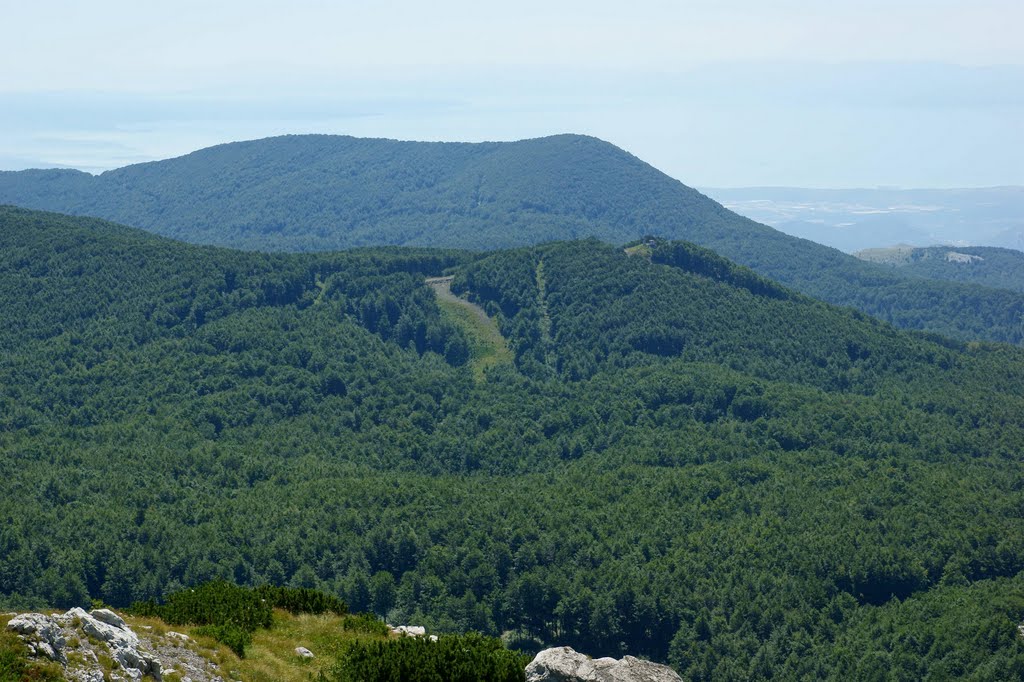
99, 645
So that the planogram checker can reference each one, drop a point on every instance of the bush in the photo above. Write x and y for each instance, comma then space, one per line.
366, 623
301, 600
233, 636
230, 614
457, 658
214, 603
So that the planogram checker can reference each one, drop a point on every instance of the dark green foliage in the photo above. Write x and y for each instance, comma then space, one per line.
232, 636
453, 658
230, 614
217, 603
682, 464
707, 263
366, 623
320, 192
301, 600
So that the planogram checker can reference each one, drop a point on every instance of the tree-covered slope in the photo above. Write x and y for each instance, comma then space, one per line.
320, 192
686, 461
987, 266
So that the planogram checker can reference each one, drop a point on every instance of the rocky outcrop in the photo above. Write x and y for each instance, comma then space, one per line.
563, 664
107, 627
408, 630
98, 645
43, 634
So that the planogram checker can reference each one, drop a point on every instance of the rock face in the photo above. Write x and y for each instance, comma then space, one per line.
81, 641
562, 664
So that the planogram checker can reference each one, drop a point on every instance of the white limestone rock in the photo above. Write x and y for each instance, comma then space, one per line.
563, 664
410, 630
42, 633
303, 652
109, 617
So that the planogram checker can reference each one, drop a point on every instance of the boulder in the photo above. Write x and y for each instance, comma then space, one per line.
109, 617
563, 664
115, 637
303, 652
410, 630
42, 633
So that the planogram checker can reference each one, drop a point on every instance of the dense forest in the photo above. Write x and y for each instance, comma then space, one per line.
685, 461
322, 192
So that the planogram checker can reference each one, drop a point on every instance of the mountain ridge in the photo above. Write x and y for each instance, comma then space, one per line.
317, 192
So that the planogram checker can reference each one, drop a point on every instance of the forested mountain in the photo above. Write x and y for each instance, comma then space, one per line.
317, 192
987, 266
685, 461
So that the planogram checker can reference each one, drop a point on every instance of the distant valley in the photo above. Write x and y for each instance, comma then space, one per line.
855, 219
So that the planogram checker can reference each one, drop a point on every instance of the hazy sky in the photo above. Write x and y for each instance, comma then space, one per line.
717, 93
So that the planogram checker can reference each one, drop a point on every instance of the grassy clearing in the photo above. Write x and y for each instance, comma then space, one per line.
487, 345
642, 250
272, 657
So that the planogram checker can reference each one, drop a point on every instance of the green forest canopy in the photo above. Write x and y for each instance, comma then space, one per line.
686, 462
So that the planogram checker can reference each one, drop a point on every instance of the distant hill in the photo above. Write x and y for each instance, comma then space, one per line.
988, 266
684, 461
318, 192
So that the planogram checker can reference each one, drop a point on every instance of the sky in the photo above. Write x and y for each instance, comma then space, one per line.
724, 93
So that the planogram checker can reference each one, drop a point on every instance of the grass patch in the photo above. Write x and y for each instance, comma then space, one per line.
271, 656
643, 250
487, 347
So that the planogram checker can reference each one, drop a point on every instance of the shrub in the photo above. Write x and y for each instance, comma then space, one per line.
366, 623
234, 637
217, 602
458, 658
302, 600
230, 614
